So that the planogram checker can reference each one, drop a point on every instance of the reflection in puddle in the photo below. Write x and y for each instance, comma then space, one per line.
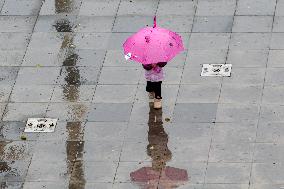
158, 175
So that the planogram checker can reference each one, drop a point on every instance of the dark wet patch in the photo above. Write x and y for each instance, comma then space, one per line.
64, 6
71, 60
72, 76
63, 25
4, 167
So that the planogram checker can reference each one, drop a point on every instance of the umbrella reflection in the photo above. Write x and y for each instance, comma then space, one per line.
158, 174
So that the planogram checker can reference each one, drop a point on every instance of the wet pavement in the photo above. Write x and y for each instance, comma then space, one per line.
63, 59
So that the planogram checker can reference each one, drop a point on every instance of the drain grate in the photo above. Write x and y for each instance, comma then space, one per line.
219, 70
41, 125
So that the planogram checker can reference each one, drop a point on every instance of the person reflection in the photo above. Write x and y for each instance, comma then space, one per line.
158, 175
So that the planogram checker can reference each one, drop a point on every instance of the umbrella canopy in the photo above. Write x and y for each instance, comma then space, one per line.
152, 45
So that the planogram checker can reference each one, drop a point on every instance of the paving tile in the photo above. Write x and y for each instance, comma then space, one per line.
47, 185
47, 41
127, 75
250, 41
14, 41
196, 58
102, 131
195, 112
114, 58
14, 171
273, 95
117, 39
137, 7
275, 58
267, 173
55, 23
237, 113
277, 41
228, 173
176, 7
272, 113
256, 7
248, 58
278, 24
253, 23
73, 93
31, 93
115, 93
33, 57
220, 24
224, 186
231, 152
274, 76
135, 151
73, 75
199, 93
14, 185
177, 23
209, 41
21, 7
243, 94
110, 112
11, 57
244, 132
17, 23
246, 76
37, 76
16, 150
94, 23
99, 185
2, 108
270, 133
268, 153
137, 22
5, 91
216, 8
68, 111
133, 185
99, 8
85, 57
53, 7
8, 75
23, 111
95, 41
279, 8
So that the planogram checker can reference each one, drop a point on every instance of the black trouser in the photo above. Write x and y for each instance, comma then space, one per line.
155, 87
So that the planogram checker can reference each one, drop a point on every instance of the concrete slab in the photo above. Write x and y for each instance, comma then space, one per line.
216, 8
253, 23
256, 7
219, 24
21, 7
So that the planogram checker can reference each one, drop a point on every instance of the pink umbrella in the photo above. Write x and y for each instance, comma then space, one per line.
152, 45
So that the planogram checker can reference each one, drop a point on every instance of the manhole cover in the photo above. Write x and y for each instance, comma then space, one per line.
220, 70
45, 125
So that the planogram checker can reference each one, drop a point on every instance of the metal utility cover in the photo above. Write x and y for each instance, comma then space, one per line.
40, 125
219, 70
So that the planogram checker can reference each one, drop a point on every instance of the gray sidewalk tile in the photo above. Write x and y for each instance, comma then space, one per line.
68, 111
126, 75
279, 8
216, 8
73, 93
272, 113
15, 185
266, 186
135, 151
275, 58
250, 41
256, 7
209, 41
47, 184
2, 108
137, 7
237, 113
267, 173
16, 171
136, 132
98, 185
94, 23
99, 8
53, 7
270, 133
177, 23
274, 76
14, 41
176, 7
130, 185
224, 186
196, 58
253, 23
195, 112
11, 57
273, 95
277, 41
237, 173
242, 94
31, 93
21, 7
137, 22
278, 24
55, 23
23, 111
248, 58
17, 23
220, 24
110, 112
191, 75
47, 41
231, 152
37, 75
115, 94
5, 91
16, 150
33, 57
199, 93
234, 132
95, 41
246, 76
115, 58
268, 153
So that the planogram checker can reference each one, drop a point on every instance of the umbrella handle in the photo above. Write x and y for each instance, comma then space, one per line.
155, 22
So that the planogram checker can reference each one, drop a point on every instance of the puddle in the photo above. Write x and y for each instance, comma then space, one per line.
159, 174
63, 25
64, 6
